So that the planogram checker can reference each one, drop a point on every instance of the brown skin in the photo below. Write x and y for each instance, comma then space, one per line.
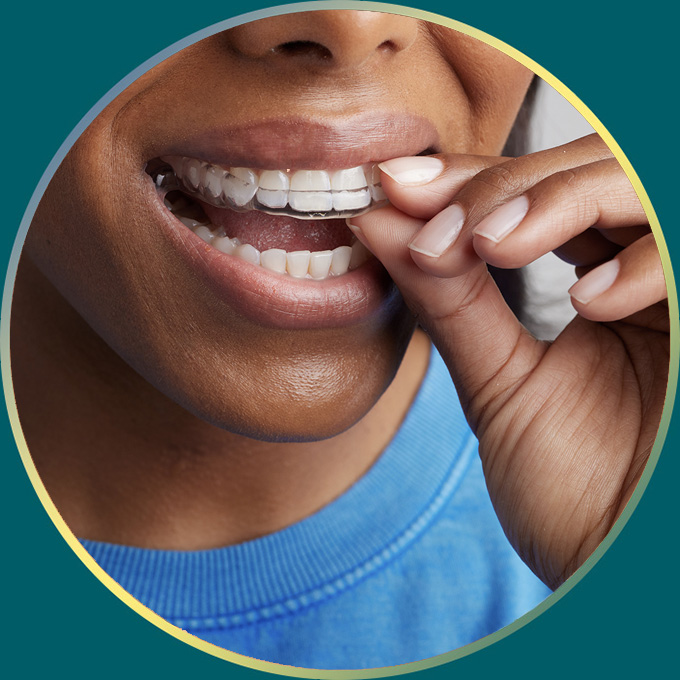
100, 300
151, 381
565, 428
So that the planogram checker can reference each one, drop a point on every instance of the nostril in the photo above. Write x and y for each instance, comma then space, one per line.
388, 46
342, 40
296, 48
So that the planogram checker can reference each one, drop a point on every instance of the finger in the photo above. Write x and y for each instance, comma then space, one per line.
546, 216
476, 198
587, 249
629, 283
556, 210
594, 246
441, 232
422, 186
485, 347
624, 236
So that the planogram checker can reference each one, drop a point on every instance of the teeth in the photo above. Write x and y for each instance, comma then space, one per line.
248, 253
190, 222
341, 258
346, 180
204, 233
239, 185
304, 194
310, 180
310, 191
273, 189
320, 264
274, 180
311, 201
225, 245
272, 199
274, 260
377, 193
297, 263
191, 173
212, 182
351, 200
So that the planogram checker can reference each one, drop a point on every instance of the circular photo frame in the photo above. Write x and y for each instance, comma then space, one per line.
165, 322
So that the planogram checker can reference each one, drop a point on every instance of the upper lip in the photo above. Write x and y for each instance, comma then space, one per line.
299, 143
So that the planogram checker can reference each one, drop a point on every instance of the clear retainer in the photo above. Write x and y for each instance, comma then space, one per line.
303, 194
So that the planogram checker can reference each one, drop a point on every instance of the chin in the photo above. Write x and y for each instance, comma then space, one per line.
327, 386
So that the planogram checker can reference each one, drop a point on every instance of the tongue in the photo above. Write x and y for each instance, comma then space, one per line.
279, 231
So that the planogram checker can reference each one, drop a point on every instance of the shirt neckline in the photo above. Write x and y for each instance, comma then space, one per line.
360, 532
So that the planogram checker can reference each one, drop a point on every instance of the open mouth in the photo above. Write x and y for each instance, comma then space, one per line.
257, 213
288, 222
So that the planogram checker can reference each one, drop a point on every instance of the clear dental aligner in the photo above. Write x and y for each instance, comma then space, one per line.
303, 194
301, 264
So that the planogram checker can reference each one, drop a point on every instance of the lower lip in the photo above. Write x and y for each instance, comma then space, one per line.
280, 301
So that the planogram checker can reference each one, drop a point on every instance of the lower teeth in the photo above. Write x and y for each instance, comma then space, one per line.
300, 264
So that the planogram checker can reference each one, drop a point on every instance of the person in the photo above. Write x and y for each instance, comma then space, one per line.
273, 456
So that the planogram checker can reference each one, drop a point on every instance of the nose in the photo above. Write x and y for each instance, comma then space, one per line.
334, 39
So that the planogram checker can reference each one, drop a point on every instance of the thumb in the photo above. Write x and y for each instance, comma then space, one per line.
488, 352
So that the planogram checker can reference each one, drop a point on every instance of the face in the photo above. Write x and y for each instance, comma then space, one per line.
235, 121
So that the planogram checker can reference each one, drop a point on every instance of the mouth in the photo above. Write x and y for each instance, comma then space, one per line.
287, 222
258, 212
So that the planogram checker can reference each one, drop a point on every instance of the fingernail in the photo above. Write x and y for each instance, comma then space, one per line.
503, 220
595, 282
413, 171
440, 232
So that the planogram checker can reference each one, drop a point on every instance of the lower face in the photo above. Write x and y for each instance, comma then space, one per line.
206, 241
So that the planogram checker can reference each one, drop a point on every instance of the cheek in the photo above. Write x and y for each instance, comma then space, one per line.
496, 100
510, 83
495, 86
499, 104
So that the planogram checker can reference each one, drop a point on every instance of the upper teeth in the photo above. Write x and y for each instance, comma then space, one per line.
305, 194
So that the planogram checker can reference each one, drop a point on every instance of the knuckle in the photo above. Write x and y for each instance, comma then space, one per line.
570, 184
567, 179
499, 179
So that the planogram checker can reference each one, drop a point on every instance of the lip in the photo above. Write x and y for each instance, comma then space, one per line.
279, 301
274, 300
298, 143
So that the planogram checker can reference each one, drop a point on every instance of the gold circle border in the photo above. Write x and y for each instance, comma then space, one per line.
267, 666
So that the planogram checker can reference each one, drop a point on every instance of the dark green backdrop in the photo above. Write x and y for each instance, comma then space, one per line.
58, 60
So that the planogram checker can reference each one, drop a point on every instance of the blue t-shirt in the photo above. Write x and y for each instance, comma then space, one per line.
409, 563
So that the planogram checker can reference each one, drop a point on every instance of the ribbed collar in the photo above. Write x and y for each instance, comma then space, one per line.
360, 532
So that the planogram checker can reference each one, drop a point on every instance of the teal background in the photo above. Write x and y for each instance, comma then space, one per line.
58, 60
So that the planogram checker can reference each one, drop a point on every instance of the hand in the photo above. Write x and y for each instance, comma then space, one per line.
565, 428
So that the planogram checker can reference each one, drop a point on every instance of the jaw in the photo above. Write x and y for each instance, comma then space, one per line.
267, 355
